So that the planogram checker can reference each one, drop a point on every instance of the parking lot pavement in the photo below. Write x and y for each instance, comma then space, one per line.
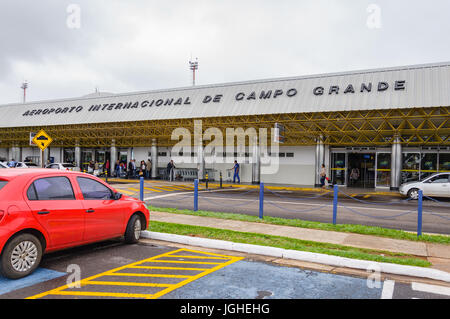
151, 270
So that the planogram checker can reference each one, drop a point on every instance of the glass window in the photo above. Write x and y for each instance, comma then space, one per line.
53, 188
383, 169
444, 162
3, 183
439, 179
92, 189
428, 165
410, 167
31, 193
338, 168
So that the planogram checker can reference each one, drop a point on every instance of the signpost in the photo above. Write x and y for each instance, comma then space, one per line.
42, 140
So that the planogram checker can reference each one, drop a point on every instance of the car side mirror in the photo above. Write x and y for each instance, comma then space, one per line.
117, 196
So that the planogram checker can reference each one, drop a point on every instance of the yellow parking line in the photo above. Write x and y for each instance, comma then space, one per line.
199, 257
202, 274
130, 274
125, 283
101, 294
184, 262
159, 258
171, 268
152, 189
126, 192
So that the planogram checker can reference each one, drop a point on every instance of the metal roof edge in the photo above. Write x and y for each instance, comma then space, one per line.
227, 84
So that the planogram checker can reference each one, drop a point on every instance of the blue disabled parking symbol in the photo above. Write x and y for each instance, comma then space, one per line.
40, 275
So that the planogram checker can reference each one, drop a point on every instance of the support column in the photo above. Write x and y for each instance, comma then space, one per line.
396, 163
201, 162
319, 160
154, 157
112, 157
129, 155
77, 155
256, 161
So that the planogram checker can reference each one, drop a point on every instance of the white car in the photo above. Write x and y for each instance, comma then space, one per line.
63, 166
26, 165
435, 185
2, 165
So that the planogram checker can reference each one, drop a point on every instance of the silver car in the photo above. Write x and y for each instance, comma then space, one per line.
26, 165
437, 185
63, 166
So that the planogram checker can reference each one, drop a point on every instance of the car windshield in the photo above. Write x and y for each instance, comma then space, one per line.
2, 184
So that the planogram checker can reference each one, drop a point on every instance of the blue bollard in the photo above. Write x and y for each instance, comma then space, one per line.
195, 195
419, 213
335, 203
141, 189
261, 200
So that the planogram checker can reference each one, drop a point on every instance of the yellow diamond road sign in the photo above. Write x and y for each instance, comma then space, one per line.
42, 140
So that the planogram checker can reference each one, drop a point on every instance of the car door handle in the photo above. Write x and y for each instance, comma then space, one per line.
90, 211
43, 212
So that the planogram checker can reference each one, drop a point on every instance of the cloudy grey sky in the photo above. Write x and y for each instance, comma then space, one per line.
123, 46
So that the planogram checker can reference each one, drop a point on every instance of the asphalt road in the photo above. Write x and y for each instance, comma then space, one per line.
112, 269
372, 210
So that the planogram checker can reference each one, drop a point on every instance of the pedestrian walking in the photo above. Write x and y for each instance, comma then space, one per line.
148, 168
323, 176
170, 170
236, 172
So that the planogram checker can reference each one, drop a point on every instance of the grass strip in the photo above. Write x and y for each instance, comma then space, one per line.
346, 228
288, 243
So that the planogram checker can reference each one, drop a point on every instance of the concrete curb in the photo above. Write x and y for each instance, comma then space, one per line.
335, 261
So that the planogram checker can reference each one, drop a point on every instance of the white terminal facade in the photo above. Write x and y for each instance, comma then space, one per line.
391, 125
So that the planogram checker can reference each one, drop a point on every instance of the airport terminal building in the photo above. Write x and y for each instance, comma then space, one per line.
383, 126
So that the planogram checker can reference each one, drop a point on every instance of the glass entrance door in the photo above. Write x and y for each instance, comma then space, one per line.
361, 170
383, 161
338, 168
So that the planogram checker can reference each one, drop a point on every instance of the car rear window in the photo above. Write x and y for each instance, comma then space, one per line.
2, 184
68, 165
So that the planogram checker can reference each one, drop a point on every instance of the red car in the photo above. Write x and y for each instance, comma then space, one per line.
44, 210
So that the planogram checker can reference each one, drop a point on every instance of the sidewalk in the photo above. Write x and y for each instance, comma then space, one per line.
437, 254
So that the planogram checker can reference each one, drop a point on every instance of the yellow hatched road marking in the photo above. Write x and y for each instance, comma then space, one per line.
199, 257
170, 268
168, 287
130, 274
125, 283
126, 192
152, 189
184, 262
101, 294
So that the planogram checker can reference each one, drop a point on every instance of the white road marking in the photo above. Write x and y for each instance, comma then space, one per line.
184, 193
439, 290
388, 289
307, 204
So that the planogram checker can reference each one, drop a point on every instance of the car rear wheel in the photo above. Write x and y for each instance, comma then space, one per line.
413, 193
21, 256
133, 231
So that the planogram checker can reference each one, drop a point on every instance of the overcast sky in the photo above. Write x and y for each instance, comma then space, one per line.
68, 48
